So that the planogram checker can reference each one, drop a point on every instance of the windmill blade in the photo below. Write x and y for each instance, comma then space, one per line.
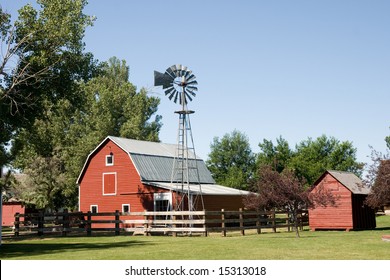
192, 88
177, 94
191, 92
188, 96
187, 75
191, 77
194, 82
169, 91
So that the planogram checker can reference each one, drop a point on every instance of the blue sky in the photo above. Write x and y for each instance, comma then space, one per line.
295, 69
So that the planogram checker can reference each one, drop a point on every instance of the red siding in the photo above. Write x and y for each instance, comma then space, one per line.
129, 189
333, 217
9, 210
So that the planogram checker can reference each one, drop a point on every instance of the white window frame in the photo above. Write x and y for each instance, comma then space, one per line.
128, 205
162, 196
112, 160
116, 183
94, 205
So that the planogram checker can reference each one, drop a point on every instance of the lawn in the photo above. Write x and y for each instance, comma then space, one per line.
320, 245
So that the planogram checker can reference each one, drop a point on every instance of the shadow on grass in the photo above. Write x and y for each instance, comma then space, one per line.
25, 249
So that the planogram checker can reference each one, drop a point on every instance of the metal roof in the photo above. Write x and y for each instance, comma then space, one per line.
350, 181
147, 148
154, 161
204, 189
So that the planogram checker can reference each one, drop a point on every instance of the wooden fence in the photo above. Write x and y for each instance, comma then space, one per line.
147, 223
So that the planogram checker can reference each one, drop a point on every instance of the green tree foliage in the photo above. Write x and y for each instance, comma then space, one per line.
231, 161
67, 132
311, 157
278, 155
42, 58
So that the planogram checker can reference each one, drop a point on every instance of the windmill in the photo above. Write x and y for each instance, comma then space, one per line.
179, 84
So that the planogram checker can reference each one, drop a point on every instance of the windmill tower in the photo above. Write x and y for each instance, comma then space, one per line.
179, 85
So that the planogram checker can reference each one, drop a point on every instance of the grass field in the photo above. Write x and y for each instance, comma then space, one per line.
320, 245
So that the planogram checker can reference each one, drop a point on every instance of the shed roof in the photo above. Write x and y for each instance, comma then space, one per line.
349, 180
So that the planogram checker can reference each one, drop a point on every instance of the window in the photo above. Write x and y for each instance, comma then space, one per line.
110, 160
94, 209
125, 208
109, 183
162, 205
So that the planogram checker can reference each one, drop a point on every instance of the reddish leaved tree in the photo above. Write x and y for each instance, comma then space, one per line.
284, 191
380, 187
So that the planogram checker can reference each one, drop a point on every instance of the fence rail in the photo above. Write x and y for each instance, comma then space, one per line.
146, 223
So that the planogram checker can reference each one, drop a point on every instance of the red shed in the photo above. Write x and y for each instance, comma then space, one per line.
9, 210
350, 212
134, 176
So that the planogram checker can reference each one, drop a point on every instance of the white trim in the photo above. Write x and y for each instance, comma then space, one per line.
126, 204
94, 205
162, 196
112, 160
116, 183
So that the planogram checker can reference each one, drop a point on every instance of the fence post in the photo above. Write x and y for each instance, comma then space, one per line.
41, 219
16, 224
223, 222
288, 221
205, 223
174, 217
146, 223
274, 220
117, 221
258, 223
242, 222
65, 222
89, 223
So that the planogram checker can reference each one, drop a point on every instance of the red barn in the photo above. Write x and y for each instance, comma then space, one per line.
134, 176
350, 212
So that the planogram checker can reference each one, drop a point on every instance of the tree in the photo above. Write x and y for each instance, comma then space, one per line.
231, 161
278, 156
66, 133
311, 157
285, 191
314, 157
41, 60
379, 195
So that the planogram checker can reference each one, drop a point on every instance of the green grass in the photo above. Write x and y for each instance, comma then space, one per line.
320, 245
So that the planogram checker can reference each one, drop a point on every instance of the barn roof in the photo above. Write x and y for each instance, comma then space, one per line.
349, 180
154, 160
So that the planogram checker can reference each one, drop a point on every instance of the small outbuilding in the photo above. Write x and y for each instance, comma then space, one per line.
350, 211
10, 208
